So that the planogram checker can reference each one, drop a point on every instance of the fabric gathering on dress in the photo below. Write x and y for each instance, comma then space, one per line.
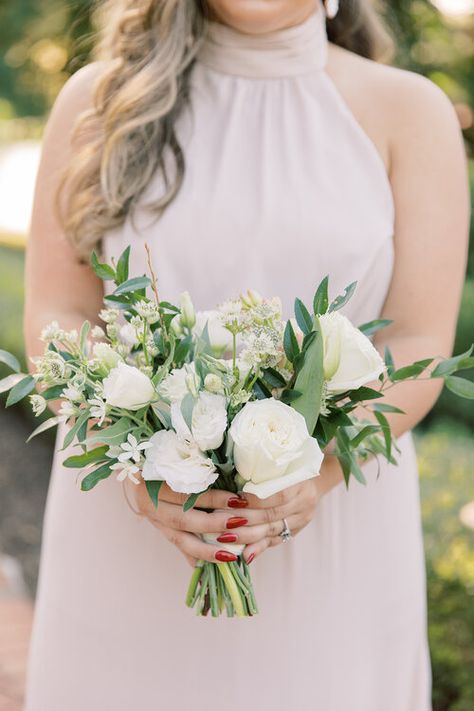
282, 186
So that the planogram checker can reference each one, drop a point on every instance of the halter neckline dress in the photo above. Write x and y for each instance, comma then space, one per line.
282, 186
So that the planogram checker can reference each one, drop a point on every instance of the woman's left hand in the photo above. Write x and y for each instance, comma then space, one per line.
297, 505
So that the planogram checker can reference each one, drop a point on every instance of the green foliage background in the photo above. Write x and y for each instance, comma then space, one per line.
43, 41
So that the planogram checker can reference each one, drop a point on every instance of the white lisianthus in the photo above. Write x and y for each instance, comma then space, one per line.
208, 421
127, 387
179, 462
175, 386
220, 337
106, 355
273, 448
350, 359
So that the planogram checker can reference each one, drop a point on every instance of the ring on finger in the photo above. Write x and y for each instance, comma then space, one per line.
285, 535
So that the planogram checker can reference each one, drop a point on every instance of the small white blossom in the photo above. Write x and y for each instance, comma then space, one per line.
126, 470
67, 409
251, 298
112, 331
151, 347
52, 367
239, 398
132, 449
98, 410
38, 404
148, 311
128, 335
109, 315
113, 451
72, 393
98, 332
51, 332
263, 348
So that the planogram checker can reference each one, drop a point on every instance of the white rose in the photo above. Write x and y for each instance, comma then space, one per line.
208, 421
106, 355
350, 359
128, 388
175, 386
273, 448
180, 463
219, 337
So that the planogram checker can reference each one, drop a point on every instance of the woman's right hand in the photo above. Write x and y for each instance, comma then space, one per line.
183, 528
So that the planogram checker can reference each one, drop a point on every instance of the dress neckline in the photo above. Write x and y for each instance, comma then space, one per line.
293, 51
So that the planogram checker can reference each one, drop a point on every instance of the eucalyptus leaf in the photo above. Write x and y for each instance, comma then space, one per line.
342, 300
389, 362
97, 475
190, 501
153, 487
460, 386
290, 342
21, 390
187, 407
134, 284
103, 271
371, 327
274, 378
321, 298
85, 329
310, 379
411, 371
365, 432
383, 407
46, 425
123, 266
10, 360
169, 307
111, 435
72, 432
82, 460
363, 393
451, 365
303, 318
10, 381
182, 349
387, 432
53, 393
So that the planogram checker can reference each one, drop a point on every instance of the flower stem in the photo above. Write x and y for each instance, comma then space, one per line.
190, 596
232, 589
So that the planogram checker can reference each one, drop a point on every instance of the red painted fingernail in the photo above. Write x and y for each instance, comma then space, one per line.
225, 557
228, 538
236, 503
236, 521
250, 558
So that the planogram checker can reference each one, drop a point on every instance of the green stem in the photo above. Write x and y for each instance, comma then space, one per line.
232, 589
213, 591
190, 596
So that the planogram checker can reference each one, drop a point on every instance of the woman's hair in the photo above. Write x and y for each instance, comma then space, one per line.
149, 47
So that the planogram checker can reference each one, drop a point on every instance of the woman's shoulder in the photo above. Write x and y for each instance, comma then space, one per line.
77, 94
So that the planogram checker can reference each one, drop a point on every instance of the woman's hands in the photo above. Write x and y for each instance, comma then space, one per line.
248, 520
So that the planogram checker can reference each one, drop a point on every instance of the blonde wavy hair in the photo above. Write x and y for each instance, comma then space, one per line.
148, 49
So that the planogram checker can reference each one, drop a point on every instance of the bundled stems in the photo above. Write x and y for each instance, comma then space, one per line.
215, 586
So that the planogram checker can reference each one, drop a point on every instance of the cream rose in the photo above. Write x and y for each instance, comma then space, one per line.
179, 462
350, 359
273, 448
208, 421
128, 388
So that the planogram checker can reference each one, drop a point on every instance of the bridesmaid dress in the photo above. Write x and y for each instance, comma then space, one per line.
282, 187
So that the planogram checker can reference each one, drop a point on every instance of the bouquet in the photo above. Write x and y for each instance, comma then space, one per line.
234, 399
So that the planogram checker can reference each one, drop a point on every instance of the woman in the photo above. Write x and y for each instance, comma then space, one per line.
270, 157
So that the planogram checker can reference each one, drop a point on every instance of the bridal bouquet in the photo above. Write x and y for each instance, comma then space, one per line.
235, 399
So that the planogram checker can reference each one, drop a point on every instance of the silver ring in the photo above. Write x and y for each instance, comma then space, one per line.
285, 535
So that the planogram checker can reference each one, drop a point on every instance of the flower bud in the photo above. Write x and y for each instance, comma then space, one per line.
213, 383
188, 314
251, 298
176, 326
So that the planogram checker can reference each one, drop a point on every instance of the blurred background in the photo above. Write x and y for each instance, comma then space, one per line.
41, 43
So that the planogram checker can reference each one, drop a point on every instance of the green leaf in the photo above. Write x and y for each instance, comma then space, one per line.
303, 318
122, 266
53, 393
451, 365
46, 425
111, 435
21, 390
288, 396
97, 475
183, 348
116, 301
460, 386
340, 301
387, 433
321, 298
362, 394
153, 488
261, 390
346, 457
365, 432
132, 285
371, 327
389, 363
190, 501
69, 438
85, 328
10, 360
170, 307
10, 381
382, 407
103, 271
411, 371
82, 460
309, 381
187, 407
274, 378
290, 342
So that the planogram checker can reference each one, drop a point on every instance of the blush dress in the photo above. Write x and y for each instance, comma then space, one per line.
282, 186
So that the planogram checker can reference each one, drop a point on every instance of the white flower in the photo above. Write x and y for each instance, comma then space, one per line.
98, 332
263, 347
112, 331
251, 298
188, 314
174, 386
350, 359
132, 449
52, 332
128, 388
148, 311
106, 355
38, 404
128, 335
67, 409
126, 470
52, 367
232, 315
98, 409
180, 463
220, 337
208, 421
109, 315
72, 393
272, 447
214, 383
